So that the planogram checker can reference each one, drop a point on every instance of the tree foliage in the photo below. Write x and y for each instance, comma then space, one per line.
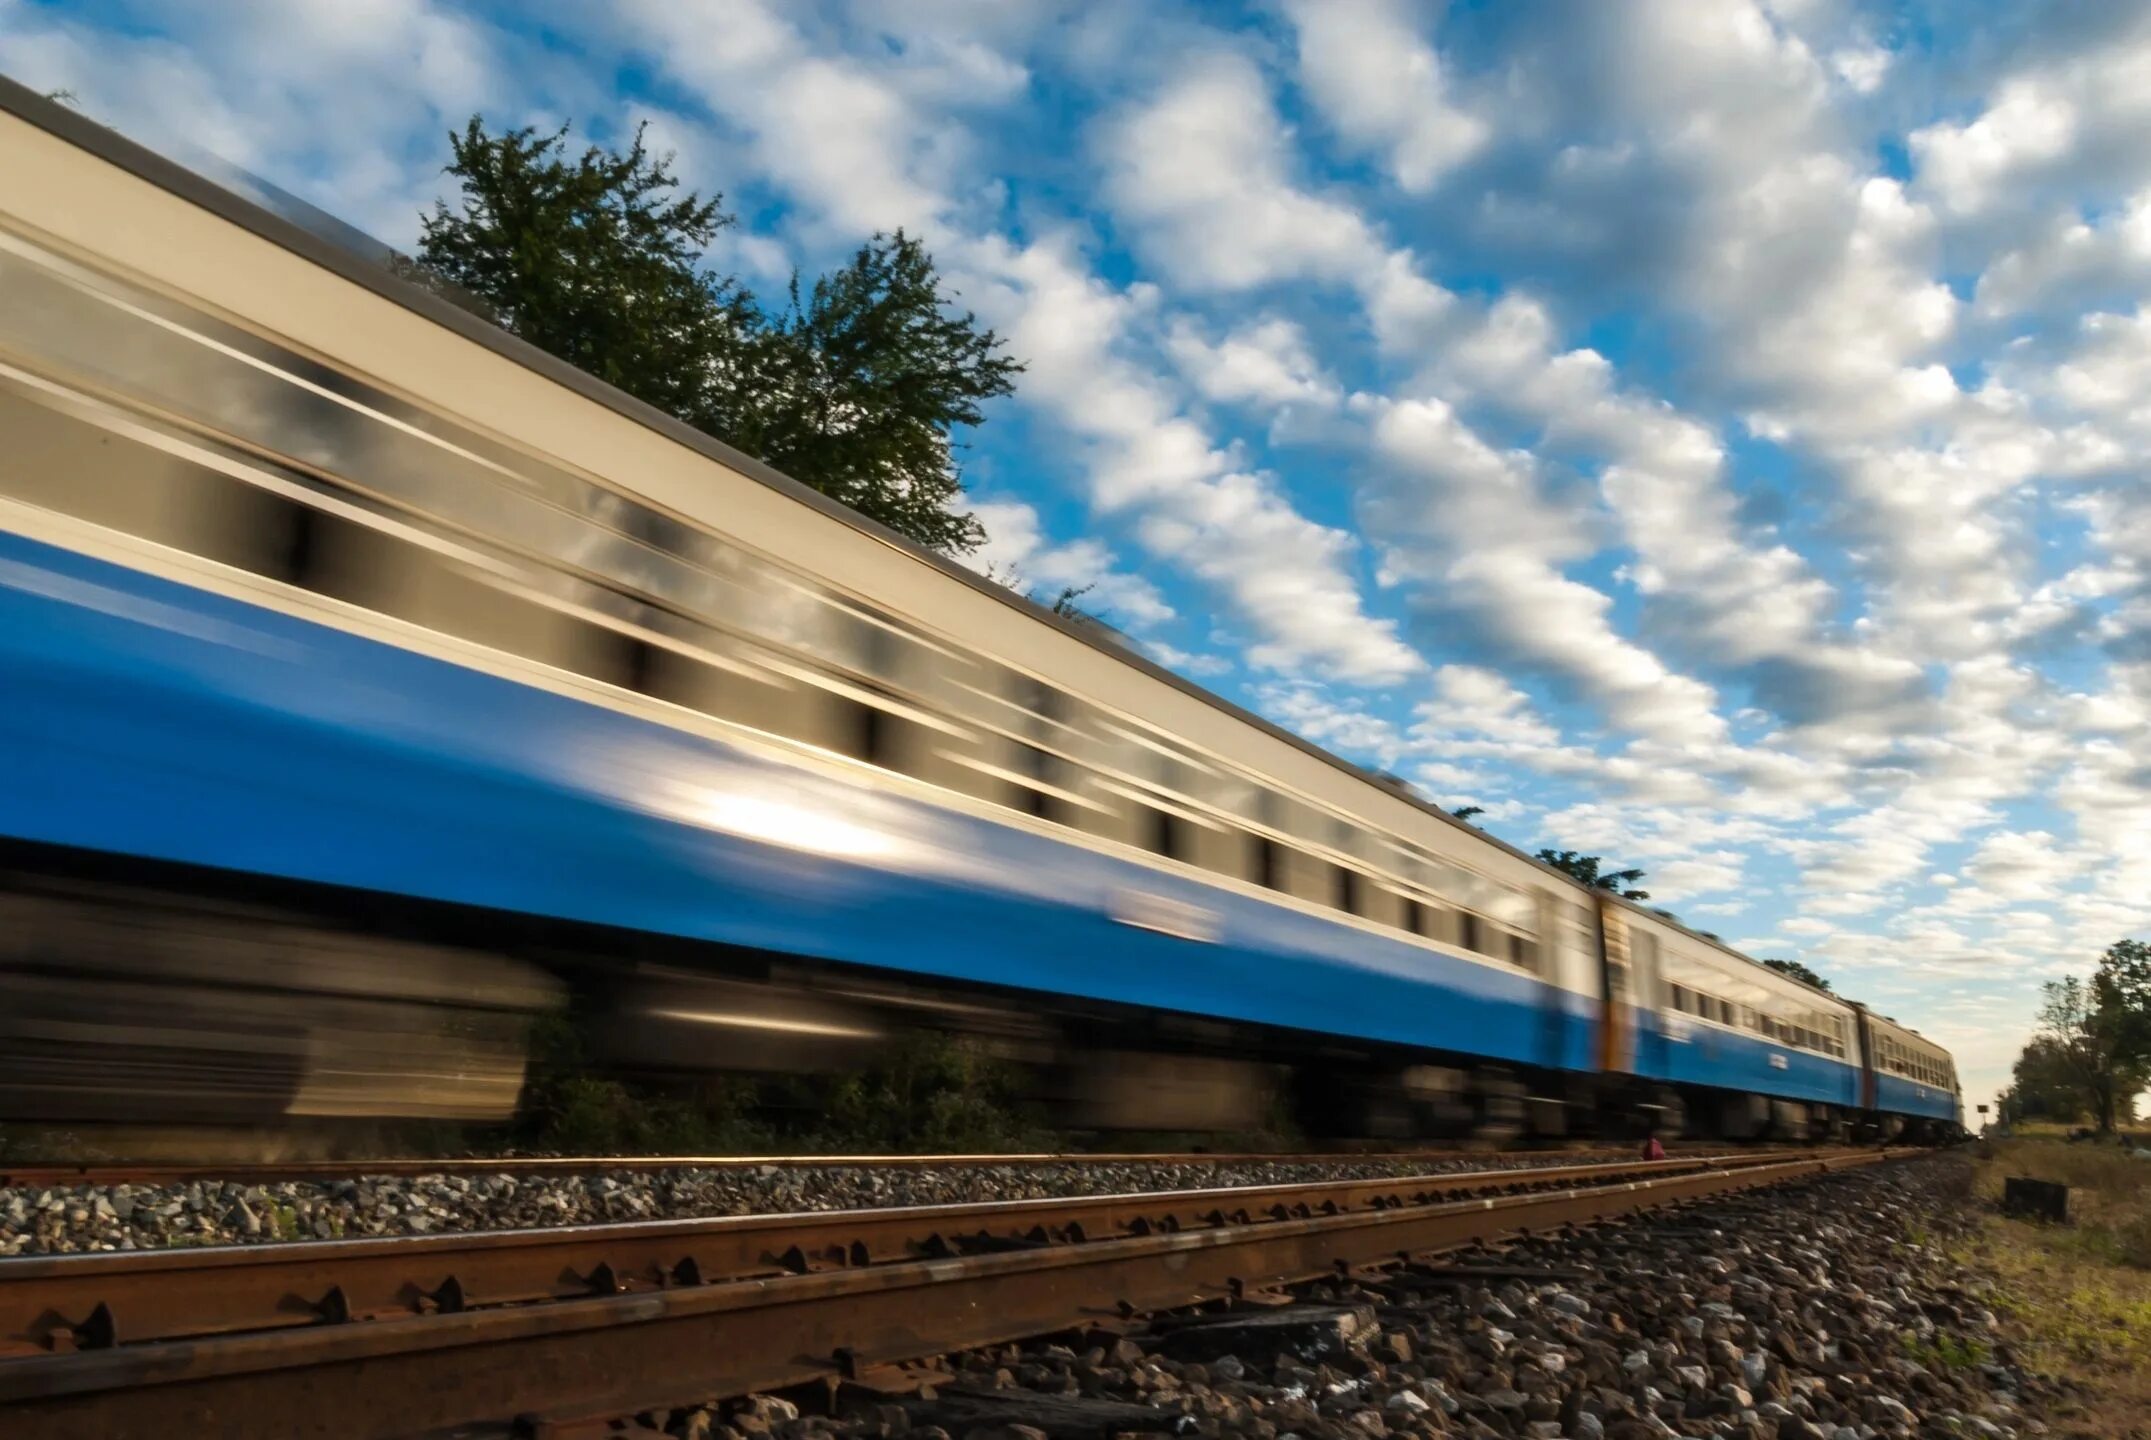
862, 381
1465, 812
2086, 1032
2123, 987
856, 387
1061, 602
1586, 869
2091, 1054
1064, 603
2044, 1085
1798, 972
594, 259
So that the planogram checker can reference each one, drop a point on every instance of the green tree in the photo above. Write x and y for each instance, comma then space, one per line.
1798, 972
1465, 812
1065, 603
1586, 869
2122, 985
2089, 1045
596, 260
860, 386
2043, 1085
1061, 602
856, 388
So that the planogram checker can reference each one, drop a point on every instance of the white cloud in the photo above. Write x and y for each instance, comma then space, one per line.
1676, 880
1863, 68
2071, 262
1381, 84
1017, 553
1472, 700
1467, 522
1201, 171
1725, 597
1266, 363
1968, 167
1812, 283
2014, 866
2064, 121
1014, 534
955, 53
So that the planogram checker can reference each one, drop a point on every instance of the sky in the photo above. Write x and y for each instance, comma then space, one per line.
1702, 432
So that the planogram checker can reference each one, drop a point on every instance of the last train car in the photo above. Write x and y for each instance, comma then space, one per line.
1912, 1080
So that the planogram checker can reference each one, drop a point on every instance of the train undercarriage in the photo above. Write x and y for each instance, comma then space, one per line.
135, 996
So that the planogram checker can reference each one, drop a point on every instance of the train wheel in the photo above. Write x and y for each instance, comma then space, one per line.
1501, 1107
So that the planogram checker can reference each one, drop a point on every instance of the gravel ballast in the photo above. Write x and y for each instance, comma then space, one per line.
69, 1219
1818, 1311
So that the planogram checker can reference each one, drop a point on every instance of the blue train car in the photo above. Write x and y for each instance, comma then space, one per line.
1914, 1080
309, 577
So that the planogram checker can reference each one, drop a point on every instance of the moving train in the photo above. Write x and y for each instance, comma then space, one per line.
375, 682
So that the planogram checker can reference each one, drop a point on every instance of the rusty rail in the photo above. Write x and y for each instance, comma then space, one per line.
54, 1302
585, 1336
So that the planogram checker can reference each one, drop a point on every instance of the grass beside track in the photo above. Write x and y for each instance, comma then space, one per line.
2077, 1296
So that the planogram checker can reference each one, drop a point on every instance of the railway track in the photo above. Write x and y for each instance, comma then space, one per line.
45, 1174
566, 1330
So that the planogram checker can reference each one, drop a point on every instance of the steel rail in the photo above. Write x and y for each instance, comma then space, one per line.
48, 1174
63, 1302
688, 1342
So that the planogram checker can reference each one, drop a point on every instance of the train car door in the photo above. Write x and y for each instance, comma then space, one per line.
1864, 1030
1617, 1025
1646, 1002
1559, 1047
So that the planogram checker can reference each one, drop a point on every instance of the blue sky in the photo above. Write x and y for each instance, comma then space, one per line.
1702, 434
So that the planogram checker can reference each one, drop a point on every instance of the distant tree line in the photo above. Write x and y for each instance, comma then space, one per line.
2091, 1055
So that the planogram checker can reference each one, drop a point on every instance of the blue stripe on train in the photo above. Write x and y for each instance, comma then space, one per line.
1899, 1096
1732, 1061
148, 718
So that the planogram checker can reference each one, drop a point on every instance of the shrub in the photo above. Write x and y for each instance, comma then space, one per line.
926, 1093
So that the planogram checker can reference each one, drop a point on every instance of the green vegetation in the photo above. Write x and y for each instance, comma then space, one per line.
1798, 972
2044, 1089
925, 1093
855, 386
2092, 1052
283, 1221
929, 1093
2077, 1296
1585, 868
569, 1108
1948, 1352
